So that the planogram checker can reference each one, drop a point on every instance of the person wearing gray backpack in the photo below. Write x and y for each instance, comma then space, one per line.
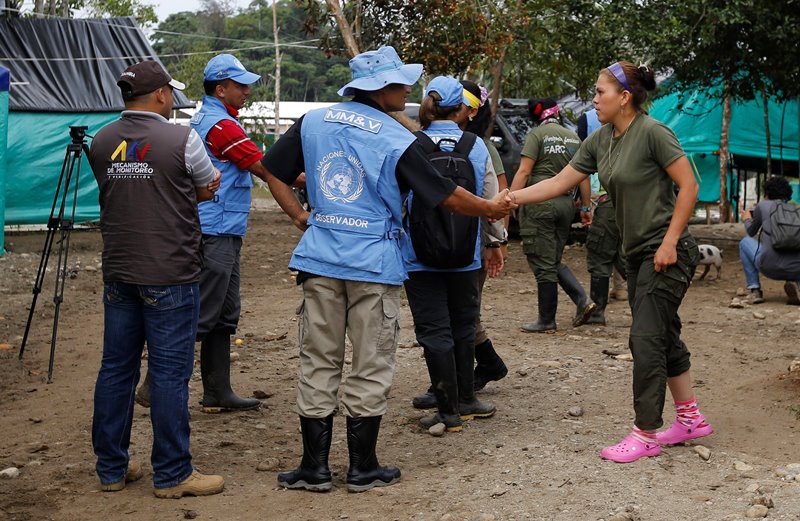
772, 245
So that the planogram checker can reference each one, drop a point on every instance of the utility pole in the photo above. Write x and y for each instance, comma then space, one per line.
277, 70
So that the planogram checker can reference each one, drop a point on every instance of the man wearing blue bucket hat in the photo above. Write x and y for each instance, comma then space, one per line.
226, 83
359, 163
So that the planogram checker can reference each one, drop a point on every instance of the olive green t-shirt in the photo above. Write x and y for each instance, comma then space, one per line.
499, 169
551, 146
634, 175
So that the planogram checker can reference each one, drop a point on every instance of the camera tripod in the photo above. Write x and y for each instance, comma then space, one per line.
61, 221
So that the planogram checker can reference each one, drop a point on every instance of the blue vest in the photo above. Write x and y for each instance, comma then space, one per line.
479, 155
592, 123
355, 228
227, 213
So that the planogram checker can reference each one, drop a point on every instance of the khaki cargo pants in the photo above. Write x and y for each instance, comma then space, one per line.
368, 314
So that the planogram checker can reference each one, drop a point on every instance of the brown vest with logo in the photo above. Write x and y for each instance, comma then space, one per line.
148, 207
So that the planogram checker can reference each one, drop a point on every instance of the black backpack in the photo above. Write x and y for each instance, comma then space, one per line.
442, 239
785, 220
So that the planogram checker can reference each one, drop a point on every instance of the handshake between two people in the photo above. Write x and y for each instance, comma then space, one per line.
466, 203
502, 205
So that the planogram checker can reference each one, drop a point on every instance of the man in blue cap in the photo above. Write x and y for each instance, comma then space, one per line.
359, 164
224, 223
226, 83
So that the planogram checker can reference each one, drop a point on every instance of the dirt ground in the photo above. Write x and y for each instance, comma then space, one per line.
533, 460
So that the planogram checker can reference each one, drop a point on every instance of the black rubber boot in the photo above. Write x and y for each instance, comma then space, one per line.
548, 304
215, 367
313, 473
442, 370
490, 367
143, 392
469, 407
365, 472
583, 304
425, 401
599, 292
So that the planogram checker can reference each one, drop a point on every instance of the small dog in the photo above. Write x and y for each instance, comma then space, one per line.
710, 255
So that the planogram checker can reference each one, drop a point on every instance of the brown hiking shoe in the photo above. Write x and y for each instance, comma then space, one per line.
134, 473
195, 485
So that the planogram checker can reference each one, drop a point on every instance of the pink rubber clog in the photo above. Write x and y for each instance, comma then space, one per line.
678, 432
630, 449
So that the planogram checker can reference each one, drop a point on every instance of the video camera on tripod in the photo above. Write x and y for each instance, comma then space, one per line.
61, 221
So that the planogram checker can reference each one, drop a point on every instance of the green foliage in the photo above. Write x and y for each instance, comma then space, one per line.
144, 13
186, 41
750, 44
547, 47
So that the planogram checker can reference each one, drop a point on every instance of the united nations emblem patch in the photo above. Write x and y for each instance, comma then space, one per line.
341, 176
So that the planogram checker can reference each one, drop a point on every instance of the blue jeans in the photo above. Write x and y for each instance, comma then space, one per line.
749, 253
166, 318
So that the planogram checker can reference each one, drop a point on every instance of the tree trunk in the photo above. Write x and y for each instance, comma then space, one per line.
765, 98
38, 7
344, 27
358, 22
724, 206
497, 87
277, 71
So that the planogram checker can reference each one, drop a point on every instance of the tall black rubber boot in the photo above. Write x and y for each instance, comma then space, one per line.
490, 367
583, 304
548, 304
599, 293
469, 407
365, 472
215, 367
425, 401
313, 473
442, 370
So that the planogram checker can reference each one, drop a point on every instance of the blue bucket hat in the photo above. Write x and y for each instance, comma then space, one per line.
450, 89
228, 67
374, 70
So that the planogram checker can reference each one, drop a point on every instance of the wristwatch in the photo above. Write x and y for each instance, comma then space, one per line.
586, 208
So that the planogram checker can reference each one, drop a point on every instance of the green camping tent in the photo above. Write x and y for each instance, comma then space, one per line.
65, 74
696, 118
4, 84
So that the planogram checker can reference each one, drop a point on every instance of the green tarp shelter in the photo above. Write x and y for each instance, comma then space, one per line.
696, 118
4, 85
65, 73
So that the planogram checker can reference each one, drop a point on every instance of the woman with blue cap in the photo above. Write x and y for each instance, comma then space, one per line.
445, 301
640, 161
489, 366
359, 162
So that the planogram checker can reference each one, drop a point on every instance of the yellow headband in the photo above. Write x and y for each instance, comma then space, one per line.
474, 101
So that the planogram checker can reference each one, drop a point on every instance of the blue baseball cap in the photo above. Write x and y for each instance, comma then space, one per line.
450, 89
374, 70
228, 67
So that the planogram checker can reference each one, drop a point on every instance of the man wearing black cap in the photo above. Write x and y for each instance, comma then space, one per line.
151, 175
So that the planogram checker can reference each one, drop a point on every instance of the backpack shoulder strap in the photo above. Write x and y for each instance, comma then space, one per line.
465, 144
427, 143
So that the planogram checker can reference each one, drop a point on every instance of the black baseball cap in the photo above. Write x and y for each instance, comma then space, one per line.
144, 78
